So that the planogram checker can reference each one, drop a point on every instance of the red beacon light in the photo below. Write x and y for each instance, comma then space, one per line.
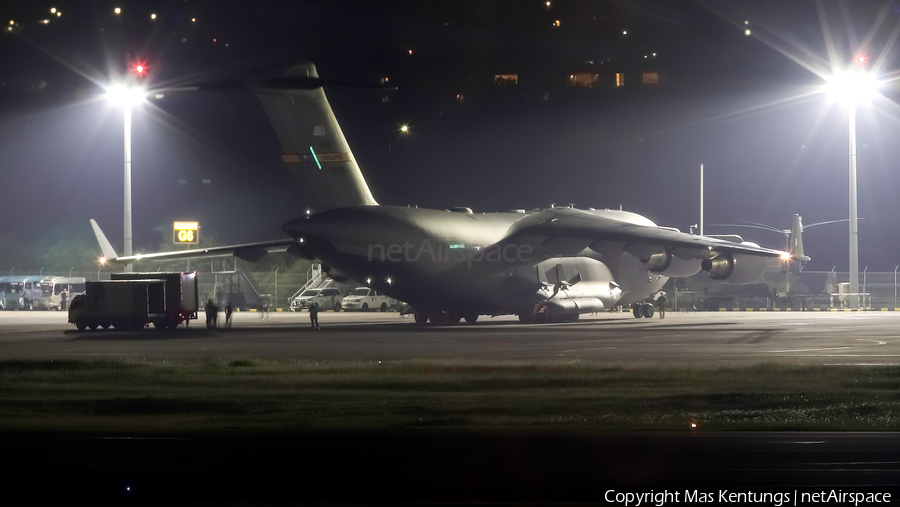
140, 68
862, 58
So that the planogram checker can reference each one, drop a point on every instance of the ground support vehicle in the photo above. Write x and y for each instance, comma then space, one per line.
364, 299
327, 299
124, 304
182, 301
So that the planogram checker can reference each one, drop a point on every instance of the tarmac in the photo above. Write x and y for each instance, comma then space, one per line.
713, 338
464, 468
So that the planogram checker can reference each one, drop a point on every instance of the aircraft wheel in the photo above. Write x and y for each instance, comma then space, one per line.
648, 311
471, 319
638, 311
421, 318
80, 324
453, 318
438, 318
383, 307
159, 324
93, 326
365, 307
104, 324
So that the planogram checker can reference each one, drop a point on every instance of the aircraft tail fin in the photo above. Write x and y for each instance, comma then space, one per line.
796, 240
105, 247
314, 147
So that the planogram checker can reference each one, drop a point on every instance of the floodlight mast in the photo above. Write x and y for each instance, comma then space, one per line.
128, 96
850, 88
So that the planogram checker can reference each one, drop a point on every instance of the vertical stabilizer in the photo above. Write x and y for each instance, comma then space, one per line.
314, 148
796, 240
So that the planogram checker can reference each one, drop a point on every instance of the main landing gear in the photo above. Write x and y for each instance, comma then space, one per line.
642, 310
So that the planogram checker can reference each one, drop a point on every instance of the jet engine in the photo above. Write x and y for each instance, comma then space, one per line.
666, 264
735, 268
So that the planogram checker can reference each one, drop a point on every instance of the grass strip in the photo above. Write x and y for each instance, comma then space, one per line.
261, 395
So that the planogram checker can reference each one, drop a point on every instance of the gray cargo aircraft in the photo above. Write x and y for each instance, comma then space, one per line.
546, 264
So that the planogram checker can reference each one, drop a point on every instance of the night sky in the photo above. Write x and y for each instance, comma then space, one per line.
745, 106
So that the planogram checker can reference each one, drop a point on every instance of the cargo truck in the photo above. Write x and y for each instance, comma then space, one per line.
182, 301
123, 304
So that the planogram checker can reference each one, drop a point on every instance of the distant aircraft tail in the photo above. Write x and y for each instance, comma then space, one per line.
796, 240
315, 150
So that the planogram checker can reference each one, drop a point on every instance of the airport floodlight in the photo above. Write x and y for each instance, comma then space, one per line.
119, 95
117, 10
153, 16
747, 32
404, 128
52, 10
852, 87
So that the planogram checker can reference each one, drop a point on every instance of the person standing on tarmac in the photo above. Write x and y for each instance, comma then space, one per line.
210, 314
228, 311
314, 316
661, 303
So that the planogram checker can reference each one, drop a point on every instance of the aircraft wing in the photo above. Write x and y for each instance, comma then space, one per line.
247, 251
567, 231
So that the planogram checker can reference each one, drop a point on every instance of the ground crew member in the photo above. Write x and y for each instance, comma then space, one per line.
228, 311
210, 314
314, 316
661, 303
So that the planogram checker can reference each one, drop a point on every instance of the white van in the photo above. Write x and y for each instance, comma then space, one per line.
364, 299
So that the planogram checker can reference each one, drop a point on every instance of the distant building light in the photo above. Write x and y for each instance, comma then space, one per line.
52, 10
506, 79
654, 54
45, 21
747, 32
410, 52
11, 22
620, 79
547, 3
404, 128
153, 16
624, 32
650, 78
746, 22
460, 98
58, 14
584, 79
193, 20
556, 23
117, 10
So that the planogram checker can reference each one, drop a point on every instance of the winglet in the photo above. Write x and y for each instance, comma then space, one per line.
105, 247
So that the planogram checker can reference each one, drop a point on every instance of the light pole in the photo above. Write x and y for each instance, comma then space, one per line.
127, 96
851, 88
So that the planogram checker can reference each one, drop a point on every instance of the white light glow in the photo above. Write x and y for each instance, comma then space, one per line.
747, 32
153, 16
117, 10
119, 95
851, 88
52, 10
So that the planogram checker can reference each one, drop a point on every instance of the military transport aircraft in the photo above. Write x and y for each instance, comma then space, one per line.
545, 264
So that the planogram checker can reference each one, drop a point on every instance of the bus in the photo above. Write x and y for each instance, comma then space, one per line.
19, 291
53, 288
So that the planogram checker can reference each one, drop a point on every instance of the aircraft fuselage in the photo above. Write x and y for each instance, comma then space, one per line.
471, 263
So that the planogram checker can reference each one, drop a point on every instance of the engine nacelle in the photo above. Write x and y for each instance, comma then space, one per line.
667, 264
735, 268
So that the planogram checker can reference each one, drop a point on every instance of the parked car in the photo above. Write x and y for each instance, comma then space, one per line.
364, 299
328, 299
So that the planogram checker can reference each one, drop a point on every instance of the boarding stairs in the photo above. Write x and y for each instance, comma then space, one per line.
315, 279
